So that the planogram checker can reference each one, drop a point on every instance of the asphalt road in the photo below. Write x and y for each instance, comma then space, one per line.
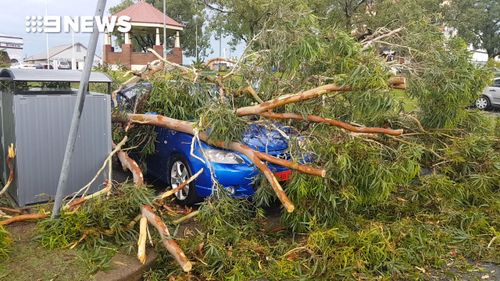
495, 112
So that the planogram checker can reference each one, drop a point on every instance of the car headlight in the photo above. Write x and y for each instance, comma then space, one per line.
223, 157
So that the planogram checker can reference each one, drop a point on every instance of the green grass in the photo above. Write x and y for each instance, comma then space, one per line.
29, 261
409, 104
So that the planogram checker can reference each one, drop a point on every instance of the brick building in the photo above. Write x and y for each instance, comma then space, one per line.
147, 23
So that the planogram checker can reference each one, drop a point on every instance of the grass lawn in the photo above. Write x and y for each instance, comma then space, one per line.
409, 104
29, 261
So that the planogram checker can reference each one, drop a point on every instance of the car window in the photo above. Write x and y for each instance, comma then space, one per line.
133, 92
496, 83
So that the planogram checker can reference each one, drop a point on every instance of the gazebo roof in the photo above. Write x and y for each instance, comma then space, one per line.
145, 13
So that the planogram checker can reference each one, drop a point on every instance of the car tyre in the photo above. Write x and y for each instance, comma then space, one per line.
179, 171
483, 103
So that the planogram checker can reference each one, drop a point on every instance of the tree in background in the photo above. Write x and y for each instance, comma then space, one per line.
478, 21
189, 13
4, 59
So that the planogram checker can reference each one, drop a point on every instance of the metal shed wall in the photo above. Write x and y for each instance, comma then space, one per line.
41, 130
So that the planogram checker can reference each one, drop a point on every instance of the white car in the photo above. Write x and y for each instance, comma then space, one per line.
23, 66
64, 65
490, 96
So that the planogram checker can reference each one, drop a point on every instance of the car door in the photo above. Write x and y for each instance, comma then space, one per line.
494, 90
156, 162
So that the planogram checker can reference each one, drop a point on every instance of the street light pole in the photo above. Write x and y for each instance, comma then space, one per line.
77, 112
164, 28
47, 39
196, 36
220, 43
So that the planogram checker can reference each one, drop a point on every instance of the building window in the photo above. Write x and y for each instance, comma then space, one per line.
78, 48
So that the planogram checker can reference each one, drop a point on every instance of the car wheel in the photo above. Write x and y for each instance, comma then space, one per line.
178, 171
483, 103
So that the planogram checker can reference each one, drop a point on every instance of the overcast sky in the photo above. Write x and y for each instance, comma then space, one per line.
13, 15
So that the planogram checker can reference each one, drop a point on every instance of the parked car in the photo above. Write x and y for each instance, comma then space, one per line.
64, 65
127, 97
44, 66
174, 162
23, 66
490, 96
177, 158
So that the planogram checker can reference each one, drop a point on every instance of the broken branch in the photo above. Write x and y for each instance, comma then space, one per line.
11, 154
186, 217
26, 217
141, 242
104, 164
171, 246
333, 122
369, 42
129, 164
292, 98
179, 187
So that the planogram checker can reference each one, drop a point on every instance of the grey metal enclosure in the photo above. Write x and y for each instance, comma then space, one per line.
36, 107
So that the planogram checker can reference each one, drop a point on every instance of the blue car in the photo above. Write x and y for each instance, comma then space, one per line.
177, 158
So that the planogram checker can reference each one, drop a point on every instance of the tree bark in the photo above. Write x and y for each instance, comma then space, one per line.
171, 246
333, 122
129, 164
252, 155
398, 82
141, 242
293, 98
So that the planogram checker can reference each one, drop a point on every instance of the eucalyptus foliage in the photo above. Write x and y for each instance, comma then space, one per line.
388, 206
5, 242
97, 223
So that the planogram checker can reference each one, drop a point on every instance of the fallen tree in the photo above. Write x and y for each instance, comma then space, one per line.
148, 214
263, 109
372, 211
254, 156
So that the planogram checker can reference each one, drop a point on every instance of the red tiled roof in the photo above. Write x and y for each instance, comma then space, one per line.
143, 12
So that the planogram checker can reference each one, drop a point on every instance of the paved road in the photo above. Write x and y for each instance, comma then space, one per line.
495, 112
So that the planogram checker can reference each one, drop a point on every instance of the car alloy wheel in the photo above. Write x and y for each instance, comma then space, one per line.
482, 103
179, 174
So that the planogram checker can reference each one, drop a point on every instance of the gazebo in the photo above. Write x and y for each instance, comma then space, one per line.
147, 28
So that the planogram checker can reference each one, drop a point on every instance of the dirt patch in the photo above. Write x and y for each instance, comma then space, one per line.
29, 261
